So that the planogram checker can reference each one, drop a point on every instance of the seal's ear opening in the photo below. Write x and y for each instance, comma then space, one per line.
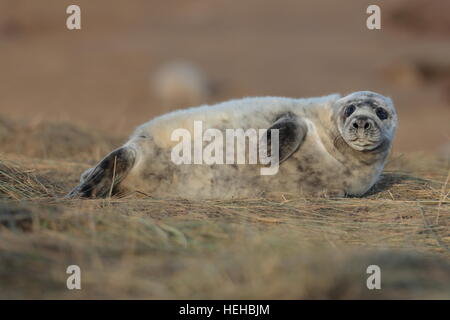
101, 181
291, 133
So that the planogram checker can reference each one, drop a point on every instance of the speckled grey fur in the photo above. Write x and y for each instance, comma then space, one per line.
326, 162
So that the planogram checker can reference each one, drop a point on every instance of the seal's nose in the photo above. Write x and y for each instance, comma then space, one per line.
362, 122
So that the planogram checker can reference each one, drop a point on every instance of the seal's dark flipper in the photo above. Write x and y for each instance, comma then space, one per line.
291, 133
101, 180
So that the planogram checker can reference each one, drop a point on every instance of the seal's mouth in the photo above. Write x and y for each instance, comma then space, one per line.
364, 144
364, 140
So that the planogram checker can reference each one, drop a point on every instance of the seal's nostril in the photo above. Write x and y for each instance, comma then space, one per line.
355, 125
367, 126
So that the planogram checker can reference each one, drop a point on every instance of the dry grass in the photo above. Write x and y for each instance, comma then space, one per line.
53, 140
279, 247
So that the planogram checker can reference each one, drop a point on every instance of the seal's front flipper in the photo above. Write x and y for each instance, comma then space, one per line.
291, 133
100, 181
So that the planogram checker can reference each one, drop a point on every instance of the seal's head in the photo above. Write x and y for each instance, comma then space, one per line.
366, 120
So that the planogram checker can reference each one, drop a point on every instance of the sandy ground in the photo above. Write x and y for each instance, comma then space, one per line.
99, 76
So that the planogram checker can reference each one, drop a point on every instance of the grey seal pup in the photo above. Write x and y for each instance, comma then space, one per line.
331, 145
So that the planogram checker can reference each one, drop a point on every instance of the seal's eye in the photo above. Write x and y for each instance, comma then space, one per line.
381, 113
349, 110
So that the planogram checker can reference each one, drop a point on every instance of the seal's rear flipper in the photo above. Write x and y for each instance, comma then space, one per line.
102, 179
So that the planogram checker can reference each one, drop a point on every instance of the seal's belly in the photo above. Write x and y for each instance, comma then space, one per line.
310, 170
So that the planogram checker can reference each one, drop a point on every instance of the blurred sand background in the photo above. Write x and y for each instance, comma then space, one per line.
100, 76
